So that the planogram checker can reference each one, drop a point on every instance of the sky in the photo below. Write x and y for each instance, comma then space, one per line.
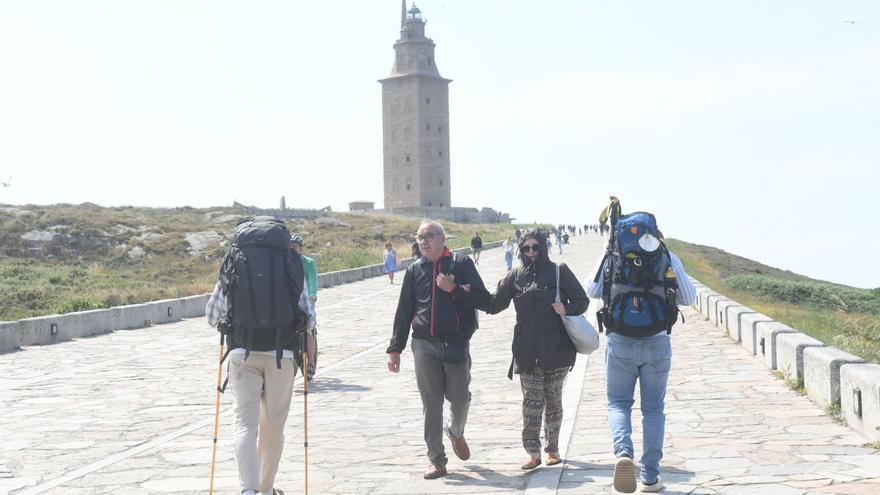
751, 126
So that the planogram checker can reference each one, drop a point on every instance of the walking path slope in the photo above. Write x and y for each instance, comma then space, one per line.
132, 412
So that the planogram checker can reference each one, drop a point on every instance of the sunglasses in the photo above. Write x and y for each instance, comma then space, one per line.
428, 236
529, 247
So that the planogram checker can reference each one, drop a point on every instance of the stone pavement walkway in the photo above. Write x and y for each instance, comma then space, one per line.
132, 412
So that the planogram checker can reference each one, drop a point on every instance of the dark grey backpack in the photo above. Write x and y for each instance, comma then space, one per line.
263, 281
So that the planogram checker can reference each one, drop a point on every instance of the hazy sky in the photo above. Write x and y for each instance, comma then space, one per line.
753, 126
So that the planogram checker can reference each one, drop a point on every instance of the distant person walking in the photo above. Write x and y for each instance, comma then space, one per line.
416, 252
477, 247
507, 245
558, 233
391, 260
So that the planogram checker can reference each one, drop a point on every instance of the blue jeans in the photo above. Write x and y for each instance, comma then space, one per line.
508, 258
647, 360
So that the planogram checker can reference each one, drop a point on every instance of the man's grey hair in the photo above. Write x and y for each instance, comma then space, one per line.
434, 225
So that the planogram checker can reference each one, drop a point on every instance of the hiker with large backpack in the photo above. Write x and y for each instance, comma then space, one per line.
261, 306
542, 292
441, 331
641, 284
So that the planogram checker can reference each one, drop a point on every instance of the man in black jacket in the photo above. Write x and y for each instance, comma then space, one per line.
441, 330
477, 247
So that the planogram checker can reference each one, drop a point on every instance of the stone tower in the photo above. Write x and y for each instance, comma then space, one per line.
415, 121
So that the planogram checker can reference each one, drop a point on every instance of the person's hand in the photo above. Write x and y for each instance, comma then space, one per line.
446, 282
559, 308
466, 287
394, 362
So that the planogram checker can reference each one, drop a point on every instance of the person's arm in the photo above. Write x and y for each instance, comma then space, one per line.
406, 306
313, 279
686, 295
572, 293
594, 284
305, 304
482, 299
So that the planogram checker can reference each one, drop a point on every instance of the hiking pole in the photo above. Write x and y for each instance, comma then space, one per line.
217, 414
305, 367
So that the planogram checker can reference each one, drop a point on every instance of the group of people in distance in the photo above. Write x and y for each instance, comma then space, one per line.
439, 298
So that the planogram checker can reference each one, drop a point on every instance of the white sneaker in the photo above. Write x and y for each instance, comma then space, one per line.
654, 487
624, 475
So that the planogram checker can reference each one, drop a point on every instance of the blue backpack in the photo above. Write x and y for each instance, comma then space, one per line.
639, 286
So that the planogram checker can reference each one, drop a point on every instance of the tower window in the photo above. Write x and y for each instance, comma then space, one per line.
441, 183
428, 127
440, 128
427, 101
440, 153
429, 61
441, 204
429, 203
407, 187
407, 158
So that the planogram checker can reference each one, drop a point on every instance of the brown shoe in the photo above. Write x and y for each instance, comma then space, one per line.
552, 459
531, 462
435, 471
459, 446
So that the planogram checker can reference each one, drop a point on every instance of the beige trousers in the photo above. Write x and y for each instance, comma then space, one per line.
261, 396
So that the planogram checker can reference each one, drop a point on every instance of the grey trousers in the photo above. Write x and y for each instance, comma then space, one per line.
438, 381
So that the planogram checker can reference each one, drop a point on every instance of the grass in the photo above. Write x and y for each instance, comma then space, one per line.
93, 262
792, 382
835, 412
845, 317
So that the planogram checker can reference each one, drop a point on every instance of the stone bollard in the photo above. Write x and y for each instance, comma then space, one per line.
748, 331
790, 354
735, 316
860, 398
822, 373
723, 317
767, 334
10, 335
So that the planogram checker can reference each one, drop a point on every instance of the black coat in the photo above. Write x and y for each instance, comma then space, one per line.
429, 310
539, 338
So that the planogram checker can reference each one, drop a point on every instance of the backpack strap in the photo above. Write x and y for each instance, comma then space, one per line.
278, 351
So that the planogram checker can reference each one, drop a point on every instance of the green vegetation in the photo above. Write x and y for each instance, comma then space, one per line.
791, 382
81, 257
835, 412
845, 317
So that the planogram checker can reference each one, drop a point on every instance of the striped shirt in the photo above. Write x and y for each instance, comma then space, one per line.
686, 294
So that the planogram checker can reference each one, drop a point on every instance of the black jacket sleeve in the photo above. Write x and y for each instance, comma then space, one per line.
406, 307
490, 303
572, 293
466, 273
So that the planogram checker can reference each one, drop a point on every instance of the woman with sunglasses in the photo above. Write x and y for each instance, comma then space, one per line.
542, 351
